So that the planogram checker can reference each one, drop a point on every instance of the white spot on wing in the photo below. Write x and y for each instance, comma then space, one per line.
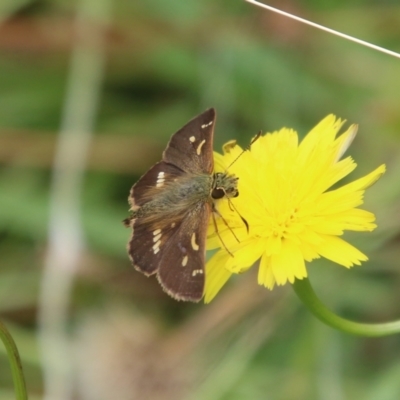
157, 238
185, 261
197, 272
198, 150
156, 247
173, 225
192, 139
195, 246
160, 179
156, 232
205, 125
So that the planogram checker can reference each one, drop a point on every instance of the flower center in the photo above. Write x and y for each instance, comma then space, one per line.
281, 225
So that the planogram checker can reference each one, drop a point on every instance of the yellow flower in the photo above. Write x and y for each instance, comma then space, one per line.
292, 214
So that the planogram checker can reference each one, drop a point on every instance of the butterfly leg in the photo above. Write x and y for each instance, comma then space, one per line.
216, 228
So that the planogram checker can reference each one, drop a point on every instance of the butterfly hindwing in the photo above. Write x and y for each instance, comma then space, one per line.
181, 267
191, 148
145, 248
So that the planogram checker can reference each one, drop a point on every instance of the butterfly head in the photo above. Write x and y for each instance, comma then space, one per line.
224, 185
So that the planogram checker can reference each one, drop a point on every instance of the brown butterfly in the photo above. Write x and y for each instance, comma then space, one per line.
171, 205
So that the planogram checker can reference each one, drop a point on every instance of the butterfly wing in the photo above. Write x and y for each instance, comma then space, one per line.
146, 246
191, 148
181, 266
154, 179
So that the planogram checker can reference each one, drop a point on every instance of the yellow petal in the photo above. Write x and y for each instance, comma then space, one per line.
366, 181
320, 138
341, 252
289, 264
216, 275
265, 275
246, 255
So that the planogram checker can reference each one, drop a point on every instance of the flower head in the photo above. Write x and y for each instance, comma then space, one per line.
287, 200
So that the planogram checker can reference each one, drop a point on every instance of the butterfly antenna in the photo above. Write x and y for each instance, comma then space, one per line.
232, 144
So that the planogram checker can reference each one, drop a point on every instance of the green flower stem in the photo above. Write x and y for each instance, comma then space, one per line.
307, 295
15, 362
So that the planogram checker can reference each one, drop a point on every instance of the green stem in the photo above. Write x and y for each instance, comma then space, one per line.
307, 295
15, 362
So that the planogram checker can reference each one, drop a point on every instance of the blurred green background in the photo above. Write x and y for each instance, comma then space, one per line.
90, 92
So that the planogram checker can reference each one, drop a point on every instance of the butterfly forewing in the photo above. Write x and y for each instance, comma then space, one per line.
152, 182
181, 268
191, 148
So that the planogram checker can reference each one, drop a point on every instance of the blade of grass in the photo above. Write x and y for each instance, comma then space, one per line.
65, 234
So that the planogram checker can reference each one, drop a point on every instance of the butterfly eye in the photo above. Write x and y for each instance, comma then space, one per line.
218, 193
